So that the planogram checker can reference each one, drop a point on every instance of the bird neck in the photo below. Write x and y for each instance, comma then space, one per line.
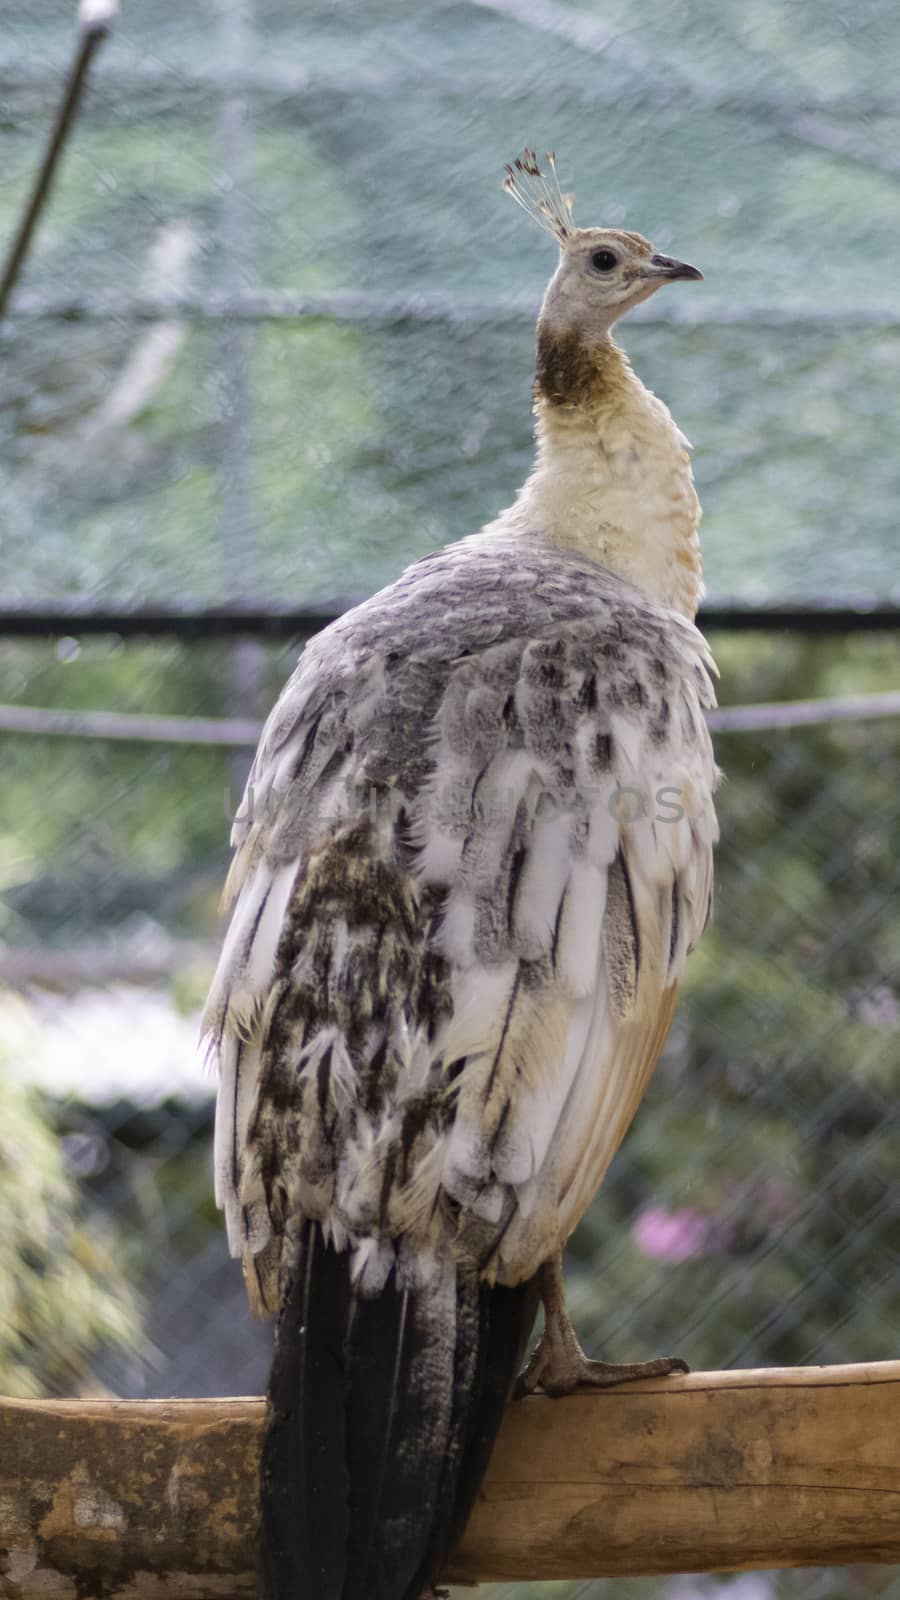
612, 475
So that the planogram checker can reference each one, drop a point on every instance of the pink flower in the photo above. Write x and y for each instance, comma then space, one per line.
671, 1235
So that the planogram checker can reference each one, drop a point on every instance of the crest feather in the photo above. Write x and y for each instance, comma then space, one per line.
540, 195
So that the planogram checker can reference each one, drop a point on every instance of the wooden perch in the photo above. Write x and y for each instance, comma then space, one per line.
783, 1467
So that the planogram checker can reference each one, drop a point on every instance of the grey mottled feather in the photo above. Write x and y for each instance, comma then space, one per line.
462, 911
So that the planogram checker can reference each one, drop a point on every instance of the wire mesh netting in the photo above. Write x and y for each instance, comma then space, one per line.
752, 1216
278, 287
275, 340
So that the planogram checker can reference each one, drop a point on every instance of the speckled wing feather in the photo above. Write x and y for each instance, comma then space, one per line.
474, 852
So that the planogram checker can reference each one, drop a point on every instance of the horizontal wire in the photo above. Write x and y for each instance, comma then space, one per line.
290, 78
814, 616
635, 73
375, 309
225, 732
768, 718
240, 732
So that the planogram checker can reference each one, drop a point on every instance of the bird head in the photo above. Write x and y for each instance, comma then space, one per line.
602, 272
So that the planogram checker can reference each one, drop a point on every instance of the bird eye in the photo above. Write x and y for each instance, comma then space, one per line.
604, 260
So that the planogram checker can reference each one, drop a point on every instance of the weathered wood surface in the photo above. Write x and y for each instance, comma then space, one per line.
782, 1467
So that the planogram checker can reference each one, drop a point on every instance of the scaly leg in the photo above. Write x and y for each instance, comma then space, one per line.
559, 1364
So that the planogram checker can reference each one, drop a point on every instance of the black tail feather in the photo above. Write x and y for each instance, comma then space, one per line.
304, 1481
493, 1325
506, 1318
380, 1351
382, 1415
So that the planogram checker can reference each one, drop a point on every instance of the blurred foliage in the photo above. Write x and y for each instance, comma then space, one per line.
65, 1297
118, 830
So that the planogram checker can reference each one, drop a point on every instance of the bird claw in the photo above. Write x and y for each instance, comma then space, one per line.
530, 1377
606, 1374
558, 1371
558, 1364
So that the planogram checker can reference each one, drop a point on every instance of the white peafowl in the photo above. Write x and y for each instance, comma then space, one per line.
474, 852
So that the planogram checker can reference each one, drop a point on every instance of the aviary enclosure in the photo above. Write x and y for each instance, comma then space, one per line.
274, 338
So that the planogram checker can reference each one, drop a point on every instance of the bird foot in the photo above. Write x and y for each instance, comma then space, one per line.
558, 1367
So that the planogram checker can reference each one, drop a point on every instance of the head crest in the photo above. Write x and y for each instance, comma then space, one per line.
540, 195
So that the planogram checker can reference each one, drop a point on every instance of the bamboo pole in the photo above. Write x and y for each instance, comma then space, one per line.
136, 1500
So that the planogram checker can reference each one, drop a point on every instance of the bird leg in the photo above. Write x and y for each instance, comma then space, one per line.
559, 1364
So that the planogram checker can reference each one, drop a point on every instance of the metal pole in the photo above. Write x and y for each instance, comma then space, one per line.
95, 19
245, 658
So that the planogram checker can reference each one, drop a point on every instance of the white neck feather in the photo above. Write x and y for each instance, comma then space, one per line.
612, 479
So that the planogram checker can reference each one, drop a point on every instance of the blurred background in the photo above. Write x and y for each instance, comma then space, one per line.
274, 340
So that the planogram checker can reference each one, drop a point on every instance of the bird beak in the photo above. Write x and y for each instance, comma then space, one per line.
667, 268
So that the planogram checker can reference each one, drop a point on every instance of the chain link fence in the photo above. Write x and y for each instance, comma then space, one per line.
276, 340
